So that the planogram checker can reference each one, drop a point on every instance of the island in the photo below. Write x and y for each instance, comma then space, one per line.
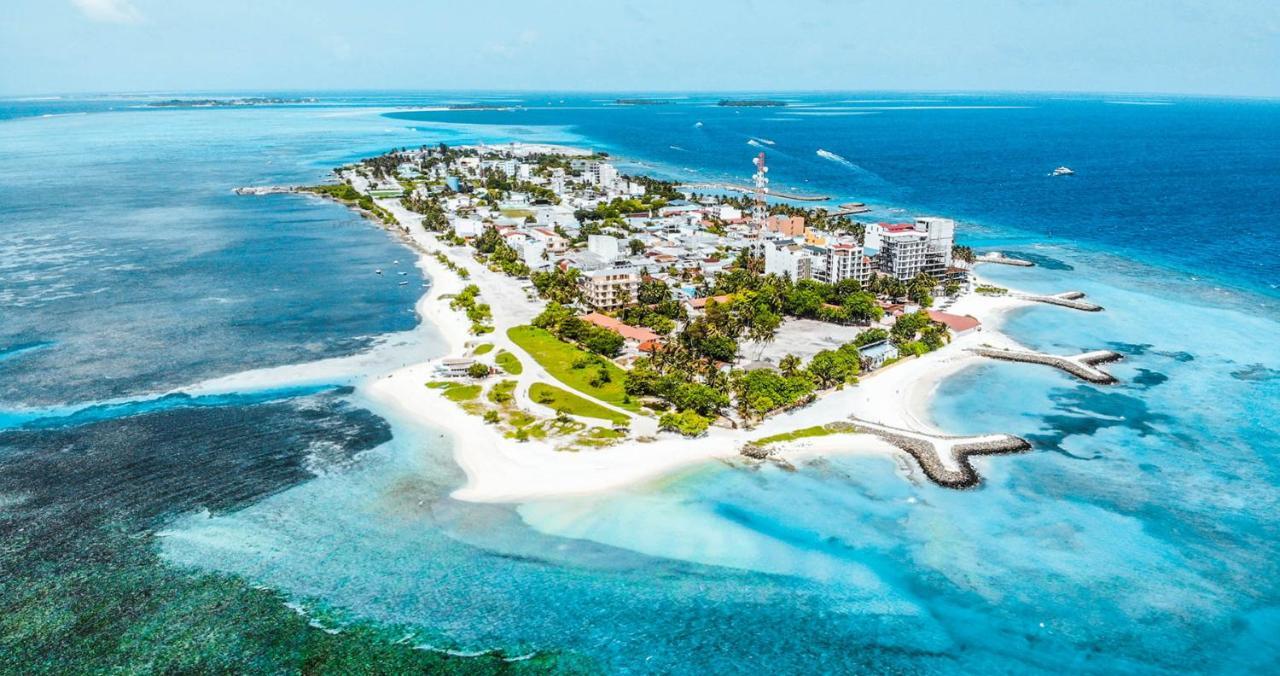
229, 103
751, 103
605, 328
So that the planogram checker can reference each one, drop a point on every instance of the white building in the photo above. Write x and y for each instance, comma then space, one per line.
604, 246
836, 262
610, 288
902, 249
466, 227
602, 174
787, 258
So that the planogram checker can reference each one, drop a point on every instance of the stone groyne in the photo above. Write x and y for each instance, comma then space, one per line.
1082, 366
945, 459
1069, 299
997, 257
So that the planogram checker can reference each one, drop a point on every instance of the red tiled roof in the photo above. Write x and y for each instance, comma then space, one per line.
898, 227
957, 323
627, 331
699, 303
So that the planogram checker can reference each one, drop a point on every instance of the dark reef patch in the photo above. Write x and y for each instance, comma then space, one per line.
1085, 411
1256, 373
1147, 378
82, 589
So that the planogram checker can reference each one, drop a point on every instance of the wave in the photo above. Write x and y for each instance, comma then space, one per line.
757, 141
828, 155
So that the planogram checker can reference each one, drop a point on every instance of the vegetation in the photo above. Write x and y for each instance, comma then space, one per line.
805, 433
343, 192
574, 367
764, 391
565, 325
845, 302
444, 260
509, 363
478, 370
479, 313
455, 391
558, 286
502, 392
501, 256
687, 423
989, 290
571, 404
483, 348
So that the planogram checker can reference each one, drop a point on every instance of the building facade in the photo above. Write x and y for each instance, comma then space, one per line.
610, 288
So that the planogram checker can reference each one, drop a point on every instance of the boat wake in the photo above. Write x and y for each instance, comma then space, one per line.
759, 142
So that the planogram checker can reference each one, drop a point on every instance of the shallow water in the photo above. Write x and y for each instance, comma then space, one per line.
1140, 535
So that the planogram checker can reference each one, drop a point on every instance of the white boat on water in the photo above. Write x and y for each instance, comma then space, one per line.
1062, 171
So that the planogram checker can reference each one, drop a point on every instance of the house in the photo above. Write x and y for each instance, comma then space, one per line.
454, 368
961, 325
876, 354
550, 239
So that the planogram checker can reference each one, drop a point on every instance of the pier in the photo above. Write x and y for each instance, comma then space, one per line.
945, 459
851, 209
1001, 259
1069, 299
1082, 366
748, 190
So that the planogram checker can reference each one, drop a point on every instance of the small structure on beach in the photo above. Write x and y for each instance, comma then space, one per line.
961, 325
877, 353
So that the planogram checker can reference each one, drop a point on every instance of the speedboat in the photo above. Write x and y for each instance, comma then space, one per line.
378, 271
1062, 171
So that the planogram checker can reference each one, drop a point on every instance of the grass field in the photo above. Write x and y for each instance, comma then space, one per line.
559, 357
483, 348
454, 391
562, 400
508, 362
805, 433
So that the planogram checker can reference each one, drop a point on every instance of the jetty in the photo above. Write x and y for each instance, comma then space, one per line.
1069, 299
945, 459
1082, 366
851, 209
265, 190
1001, 259
749, 190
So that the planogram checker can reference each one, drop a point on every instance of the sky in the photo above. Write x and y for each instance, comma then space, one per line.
1223, 47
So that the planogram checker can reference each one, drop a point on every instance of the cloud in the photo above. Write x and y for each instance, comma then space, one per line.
108, 11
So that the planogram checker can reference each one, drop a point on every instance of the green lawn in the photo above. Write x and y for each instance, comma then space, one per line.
806, 432
483, 348
558, 358
456, 391
508, 362
517, 213
562, 400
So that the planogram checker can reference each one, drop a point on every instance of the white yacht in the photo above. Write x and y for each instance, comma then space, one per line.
1062, 171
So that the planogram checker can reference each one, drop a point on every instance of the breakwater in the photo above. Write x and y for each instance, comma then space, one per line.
1001, 259
1082, 366
945, 459
1068, 299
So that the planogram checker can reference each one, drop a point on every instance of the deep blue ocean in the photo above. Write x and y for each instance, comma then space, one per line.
1141, 535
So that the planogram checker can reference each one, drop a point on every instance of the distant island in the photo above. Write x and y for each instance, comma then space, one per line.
216, 103
477, 106
751, 103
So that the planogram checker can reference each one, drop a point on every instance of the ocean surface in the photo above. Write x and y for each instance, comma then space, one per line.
143, 306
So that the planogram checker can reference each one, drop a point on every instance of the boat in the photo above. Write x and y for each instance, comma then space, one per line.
403, 283
1062, 171
378, 271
